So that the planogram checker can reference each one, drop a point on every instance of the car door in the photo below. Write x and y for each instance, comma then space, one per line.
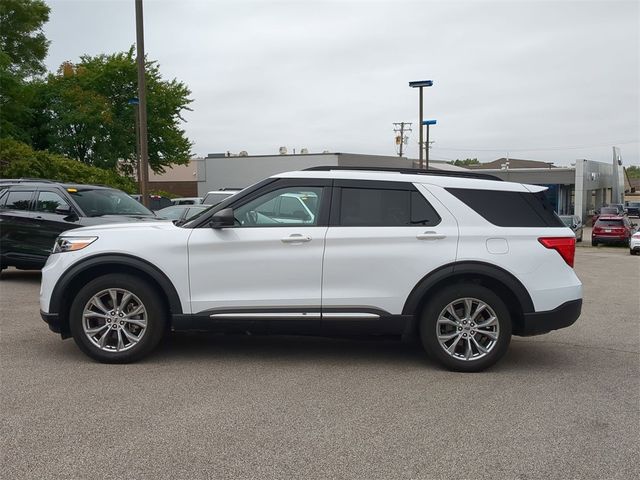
264, 268
383, 238
17, 228
54, 215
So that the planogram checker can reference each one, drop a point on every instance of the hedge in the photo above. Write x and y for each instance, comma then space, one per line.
18, 160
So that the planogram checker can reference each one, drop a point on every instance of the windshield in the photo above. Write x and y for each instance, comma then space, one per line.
608, 210
568, 221
106, 201
215, 198
171, 213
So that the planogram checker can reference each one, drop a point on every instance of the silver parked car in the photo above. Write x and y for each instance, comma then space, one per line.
574, 223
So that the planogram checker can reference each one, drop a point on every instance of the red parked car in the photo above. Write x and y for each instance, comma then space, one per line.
612, 229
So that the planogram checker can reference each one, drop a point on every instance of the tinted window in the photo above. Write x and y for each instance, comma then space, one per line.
50, 202
18, 200
360, 207
510, 209
608, 223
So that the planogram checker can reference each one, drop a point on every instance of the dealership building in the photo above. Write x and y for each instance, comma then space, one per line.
582, 187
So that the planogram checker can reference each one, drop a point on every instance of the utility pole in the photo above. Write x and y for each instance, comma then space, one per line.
401, 139
142, 107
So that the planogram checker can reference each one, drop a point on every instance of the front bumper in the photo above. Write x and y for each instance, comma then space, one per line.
542, 322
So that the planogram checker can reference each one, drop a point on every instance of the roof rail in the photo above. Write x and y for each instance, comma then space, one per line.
25, 180
408, 171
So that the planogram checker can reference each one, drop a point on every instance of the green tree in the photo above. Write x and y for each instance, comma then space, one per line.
90, 118
465, 163
633, 171
23, 48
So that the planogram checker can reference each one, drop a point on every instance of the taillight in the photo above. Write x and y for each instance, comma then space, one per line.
565, 246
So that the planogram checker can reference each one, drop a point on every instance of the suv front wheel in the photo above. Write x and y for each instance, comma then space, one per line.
465, 327
117, 318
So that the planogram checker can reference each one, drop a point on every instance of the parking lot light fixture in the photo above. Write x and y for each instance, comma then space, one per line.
427, 123
420, 84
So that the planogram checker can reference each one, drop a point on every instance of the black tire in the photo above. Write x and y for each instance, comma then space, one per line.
594, 243
156, 318
429, 328
579, 239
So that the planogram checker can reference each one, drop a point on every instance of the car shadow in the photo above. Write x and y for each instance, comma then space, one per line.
20, 276
390, 352
285, 348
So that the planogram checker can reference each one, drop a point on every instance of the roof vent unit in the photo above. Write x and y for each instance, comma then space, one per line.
304, 151
282, 150
243, 153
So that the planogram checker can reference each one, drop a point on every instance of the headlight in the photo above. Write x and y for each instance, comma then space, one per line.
71, 244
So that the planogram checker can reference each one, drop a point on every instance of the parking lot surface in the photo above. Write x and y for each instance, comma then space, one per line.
562, 405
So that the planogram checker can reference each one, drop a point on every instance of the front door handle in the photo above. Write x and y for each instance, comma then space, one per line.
430, 235
296, 238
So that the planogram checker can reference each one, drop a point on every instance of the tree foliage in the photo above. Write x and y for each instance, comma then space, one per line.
90, 118
23, 48
633, 171
465, 163
20, 160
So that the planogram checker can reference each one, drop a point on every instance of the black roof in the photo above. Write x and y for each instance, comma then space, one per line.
44, 181
409, 171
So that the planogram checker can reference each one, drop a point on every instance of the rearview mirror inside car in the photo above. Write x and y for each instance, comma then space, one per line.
223, 218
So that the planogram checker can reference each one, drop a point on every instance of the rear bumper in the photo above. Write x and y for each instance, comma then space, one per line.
610, 240
53, 320
542, 322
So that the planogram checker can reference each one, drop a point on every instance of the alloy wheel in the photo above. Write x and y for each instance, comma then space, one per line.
114, 320
467, 329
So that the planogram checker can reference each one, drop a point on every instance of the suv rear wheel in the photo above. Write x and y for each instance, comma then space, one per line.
117, 319
465, 327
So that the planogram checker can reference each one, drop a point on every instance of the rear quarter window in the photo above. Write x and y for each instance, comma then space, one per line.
509, 209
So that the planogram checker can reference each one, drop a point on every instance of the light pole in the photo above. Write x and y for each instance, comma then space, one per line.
142, 107
421, 84
427, 123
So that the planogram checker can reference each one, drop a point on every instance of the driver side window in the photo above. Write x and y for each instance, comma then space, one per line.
283, 207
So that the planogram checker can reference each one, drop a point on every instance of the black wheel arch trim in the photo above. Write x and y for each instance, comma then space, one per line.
467, 268
131, 261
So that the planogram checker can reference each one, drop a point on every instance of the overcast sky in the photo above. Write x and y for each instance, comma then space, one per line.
525, 78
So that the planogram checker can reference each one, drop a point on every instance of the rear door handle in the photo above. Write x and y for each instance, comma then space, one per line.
296, 238
430, 235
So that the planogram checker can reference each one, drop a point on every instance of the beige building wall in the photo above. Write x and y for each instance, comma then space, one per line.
179, 173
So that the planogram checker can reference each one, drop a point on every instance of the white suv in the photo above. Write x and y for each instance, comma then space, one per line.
461, 261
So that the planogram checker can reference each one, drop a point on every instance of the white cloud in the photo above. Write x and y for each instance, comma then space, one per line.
334, 75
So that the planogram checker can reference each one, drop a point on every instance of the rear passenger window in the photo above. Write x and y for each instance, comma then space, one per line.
18, 200
363, 207
510, 209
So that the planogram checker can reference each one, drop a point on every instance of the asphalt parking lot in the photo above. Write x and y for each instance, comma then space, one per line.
562, 405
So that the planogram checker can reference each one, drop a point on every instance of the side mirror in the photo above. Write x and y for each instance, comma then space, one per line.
69, 213
223, 218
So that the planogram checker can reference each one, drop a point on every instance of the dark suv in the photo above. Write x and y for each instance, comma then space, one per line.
34, 212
